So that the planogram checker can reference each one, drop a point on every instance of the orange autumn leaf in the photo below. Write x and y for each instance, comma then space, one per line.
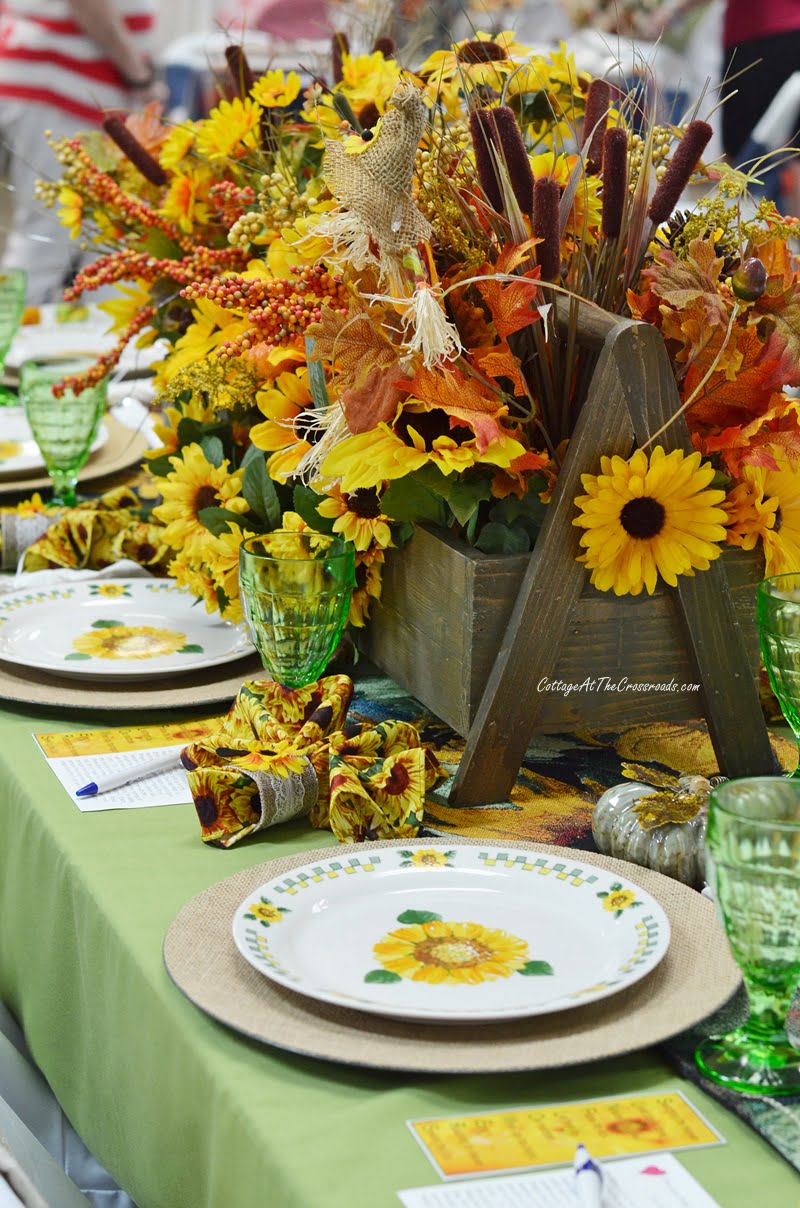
725, 400
462, 399
694, 278
375, 401
147, 126
750, 444
511, 304
354, 344
500, 362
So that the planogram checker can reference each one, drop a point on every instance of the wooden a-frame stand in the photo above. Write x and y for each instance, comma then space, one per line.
631, 394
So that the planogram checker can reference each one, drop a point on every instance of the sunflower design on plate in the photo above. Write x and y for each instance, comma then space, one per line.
9, 449
430, 857
431, 949
266, 912
113, 640
110, 591
616, 899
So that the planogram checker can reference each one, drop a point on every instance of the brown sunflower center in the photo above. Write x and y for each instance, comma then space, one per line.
451, 952
643, 517
429, 425
778, 519
364, 502
306, 427
206, 497
480, 52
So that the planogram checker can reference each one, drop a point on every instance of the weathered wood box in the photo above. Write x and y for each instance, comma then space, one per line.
445, 608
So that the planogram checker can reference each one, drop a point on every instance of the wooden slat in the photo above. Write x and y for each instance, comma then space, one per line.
553, 582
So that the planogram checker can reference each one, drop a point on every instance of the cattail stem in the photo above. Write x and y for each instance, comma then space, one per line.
547, 227
484, 162
340, 46
615, 181
386, 45
141, 159
598, 99
239, 70
679, 173
502, 134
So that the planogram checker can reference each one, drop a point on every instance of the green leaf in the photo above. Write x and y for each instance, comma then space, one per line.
259, 491
497, 538
219, 520
464, 497
316, 376
161, 466
191, 649
305, 503
410, 500
213, 450
382, 975
106, 624
402, 534
194, 432
160, 246
419, 916
76, 656
536, 969
252, 453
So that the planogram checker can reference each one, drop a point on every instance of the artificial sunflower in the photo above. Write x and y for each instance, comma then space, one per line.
358, 517
129, 642
230, 130
765, 506
186, 200
193, 408
276, 89
193, 485
454, 953
192, 572
484, 59
71, 213
285, 433
369, 565
649, 516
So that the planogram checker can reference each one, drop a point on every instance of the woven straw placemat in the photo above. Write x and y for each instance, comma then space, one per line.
125, 447
213, 686
694, 979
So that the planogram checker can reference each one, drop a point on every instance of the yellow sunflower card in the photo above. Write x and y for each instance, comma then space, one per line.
528, 1137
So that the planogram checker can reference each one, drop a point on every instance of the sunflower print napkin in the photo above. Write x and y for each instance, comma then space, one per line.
99, 532
288, 752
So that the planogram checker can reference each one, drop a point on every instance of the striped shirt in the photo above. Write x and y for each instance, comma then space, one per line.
46, 58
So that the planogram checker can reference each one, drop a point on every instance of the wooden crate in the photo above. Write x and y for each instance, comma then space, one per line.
445, 608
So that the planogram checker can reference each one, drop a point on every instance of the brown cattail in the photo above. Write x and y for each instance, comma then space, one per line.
386, 45
368, 115
679, 173
598, 99
500, 127
484, 161
340, 46
239, 70
615, 181
141, 159
547, 227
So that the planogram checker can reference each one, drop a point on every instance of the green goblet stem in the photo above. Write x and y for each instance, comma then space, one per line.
64, 488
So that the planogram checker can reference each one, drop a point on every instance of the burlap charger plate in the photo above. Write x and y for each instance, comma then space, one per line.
214, 686
694, 979
125, 447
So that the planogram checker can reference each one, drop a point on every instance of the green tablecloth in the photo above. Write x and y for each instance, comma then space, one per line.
184, 1113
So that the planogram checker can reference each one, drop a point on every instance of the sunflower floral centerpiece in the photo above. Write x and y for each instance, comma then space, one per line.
372, 285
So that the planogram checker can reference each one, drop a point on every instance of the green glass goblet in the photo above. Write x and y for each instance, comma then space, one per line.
779, 631
13, 283
753, 864
295, 590
63, 428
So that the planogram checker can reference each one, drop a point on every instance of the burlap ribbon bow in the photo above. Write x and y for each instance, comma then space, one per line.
283, 753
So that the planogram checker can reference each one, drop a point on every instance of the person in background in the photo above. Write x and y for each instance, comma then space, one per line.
765, 30
63, 65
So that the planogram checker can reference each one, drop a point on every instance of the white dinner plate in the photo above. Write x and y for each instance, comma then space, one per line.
115, 629
19, 452
457, 935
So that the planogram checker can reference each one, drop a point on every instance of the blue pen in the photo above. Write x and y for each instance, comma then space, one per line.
588, 1179
103, 784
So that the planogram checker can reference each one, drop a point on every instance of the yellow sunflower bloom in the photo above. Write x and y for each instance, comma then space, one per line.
32, 506
370, 458
451, 953
647, 517
369, 568
230, 130
358, 517
195, 576
368, 78
123, 309
194, 408
129, 642
9, 449
177, 146
400, 784
224, 802
185, 202
276, 89
284, 403
211, 327
619, 900
71, 213
482, 59
195, 484
765, 506
430, 856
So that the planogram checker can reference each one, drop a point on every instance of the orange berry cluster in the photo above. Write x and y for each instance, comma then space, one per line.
230, 200
278, 310
127, 264
103, 366
87, 176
